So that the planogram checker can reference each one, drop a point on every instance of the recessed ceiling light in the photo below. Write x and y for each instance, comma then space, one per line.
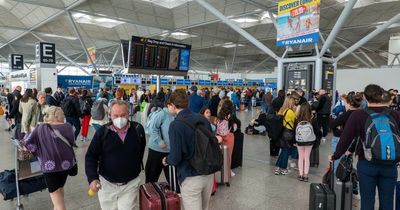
230, 45
59, 36
180, 35
170, 4
245, 20
103, 21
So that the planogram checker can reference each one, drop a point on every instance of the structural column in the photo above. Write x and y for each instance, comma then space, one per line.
334, 83
318, 74
158, 84
279, 75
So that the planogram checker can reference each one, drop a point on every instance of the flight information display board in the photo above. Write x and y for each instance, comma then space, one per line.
152, 56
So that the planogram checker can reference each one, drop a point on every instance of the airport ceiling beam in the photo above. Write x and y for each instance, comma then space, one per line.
236, 28
63, 55
259, 64
114, 57
339, 23
374, 33
263, 7
368, 58
81, 41
354, 55
73, 5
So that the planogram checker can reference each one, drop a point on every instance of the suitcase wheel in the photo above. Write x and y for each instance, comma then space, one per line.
228, 184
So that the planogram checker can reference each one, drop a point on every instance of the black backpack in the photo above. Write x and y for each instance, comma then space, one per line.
68, 107
207, 158
274, 125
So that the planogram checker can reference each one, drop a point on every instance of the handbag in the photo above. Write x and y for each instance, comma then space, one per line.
287, 138
74, 170
345, 168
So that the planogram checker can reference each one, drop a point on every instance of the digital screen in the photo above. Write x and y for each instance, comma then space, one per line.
125, 52
184, 60
151, 56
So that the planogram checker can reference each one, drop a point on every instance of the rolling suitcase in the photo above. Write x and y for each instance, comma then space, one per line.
344, 194
237, 153
314, 157
321, 197
222, 176
158, 196
173, 179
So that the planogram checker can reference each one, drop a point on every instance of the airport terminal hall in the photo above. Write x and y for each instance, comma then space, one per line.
199, 104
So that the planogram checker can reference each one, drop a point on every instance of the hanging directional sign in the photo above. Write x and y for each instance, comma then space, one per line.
16, 62
46, 53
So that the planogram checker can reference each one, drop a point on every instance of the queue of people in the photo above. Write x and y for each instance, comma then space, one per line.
119, 139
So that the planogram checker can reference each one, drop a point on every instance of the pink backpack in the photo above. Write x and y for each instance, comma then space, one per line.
223, 128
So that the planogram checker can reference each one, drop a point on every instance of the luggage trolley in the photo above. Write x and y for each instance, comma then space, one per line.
24, 170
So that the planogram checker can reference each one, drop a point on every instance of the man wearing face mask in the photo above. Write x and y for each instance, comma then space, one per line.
114, 160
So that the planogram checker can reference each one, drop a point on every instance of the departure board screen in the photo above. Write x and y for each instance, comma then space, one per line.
151, 56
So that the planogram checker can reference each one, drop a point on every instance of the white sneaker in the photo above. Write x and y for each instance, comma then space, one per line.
323, 140
232, 173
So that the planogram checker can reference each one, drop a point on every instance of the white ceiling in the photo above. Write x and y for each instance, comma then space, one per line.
143, 18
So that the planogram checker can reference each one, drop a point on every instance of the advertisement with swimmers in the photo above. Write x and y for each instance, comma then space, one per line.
298, 22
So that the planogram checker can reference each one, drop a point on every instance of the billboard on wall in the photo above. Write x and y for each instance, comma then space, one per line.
92, 54
67, 81
298, 22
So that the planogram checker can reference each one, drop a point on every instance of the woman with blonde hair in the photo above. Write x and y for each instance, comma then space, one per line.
286, 142
52, 142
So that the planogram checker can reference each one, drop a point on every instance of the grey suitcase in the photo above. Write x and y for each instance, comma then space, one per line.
344, 194
222, 177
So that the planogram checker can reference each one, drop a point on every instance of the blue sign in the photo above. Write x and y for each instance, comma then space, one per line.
220, 83
164, 81
188, 82
225, 83
75, 81
207, 82
180, 81
154, 81
201, 82
184, 60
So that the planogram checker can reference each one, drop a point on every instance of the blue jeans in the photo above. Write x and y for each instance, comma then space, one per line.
283, 158
74, 121
334, 143
371, 176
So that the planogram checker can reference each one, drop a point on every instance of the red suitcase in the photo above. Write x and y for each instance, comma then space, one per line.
158, 196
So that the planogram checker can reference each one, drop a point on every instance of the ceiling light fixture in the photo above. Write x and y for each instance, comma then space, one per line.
170, 4
103, 21
231, 45
245, 20
59, 36
179, 35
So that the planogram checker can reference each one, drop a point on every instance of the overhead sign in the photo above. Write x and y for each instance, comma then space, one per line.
152, 56
127, 79
46, 53
92, 55
67, 81
298, 22
16, 62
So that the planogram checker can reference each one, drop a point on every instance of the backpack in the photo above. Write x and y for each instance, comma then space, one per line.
274, 125
97, 111
207, 158
305, 132
85, 106
339, 109
68, 107
382, 139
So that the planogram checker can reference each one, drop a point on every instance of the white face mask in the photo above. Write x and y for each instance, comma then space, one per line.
120, 122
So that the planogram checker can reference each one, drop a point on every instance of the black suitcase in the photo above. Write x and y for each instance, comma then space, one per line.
321, 197
237, 153
314, 157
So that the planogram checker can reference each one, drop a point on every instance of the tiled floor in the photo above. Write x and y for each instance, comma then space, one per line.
254, 186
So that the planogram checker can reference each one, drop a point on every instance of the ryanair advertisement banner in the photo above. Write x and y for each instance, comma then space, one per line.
298, 22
